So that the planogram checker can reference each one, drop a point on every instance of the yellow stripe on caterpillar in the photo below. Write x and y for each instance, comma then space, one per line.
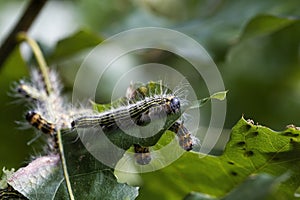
37, 121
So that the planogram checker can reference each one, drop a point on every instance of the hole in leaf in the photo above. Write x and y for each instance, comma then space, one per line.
240, 144
291, 134
249, 153
275, 159
292, 140
233, 173
248, 126
252, 134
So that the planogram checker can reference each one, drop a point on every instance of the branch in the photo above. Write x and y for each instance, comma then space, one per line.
32, 10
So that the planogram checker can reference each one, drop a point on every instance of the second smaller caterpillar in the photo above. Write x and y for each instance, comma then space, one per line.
37, 121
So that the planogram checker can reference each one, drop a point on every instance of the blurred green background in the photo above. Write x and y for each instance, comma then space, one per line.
255, 45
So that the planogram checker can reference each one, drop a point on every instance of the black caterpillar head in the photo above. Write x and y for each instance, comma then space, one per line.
175, 105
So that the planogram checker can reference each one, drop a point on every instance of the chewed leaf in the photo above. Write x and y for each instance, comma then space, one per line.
252, 149
199, 103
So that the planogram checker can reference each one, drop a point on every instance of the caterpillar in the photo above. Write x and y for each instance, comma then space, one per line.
140, 109
106, 120
37, 121
142, 105
10, 193
28, 92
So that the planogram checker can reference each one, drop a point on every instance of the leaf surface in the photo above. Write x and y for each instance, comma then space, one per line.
75, 43
252, 149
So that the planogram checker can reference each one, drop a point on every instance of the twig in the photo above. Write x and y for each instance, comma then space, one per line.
23, 24
39, 58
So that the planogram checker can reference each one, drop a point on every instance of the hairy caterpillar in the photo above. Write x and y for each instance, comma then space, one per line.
37, 121
107, 120
142, 105
141, 108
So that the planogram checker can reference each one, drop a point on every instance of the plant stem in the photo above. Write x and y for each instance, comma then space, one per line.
39, 58
32, 10
64, 165
45, 73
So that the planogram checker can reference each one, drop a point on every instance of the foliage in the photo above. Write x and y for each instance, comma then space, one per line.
252, 149
256, 47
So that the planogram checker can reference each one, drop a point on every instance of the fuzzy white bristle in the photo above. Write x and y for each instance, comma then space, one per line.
54, 107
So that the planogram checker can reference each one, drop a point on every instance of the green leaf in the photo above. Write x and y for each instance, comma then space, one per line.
98, 185
224, 23
251, 149
255, 187
199, 103
75, 43
262, 71
89, 177
265, 24
219, 95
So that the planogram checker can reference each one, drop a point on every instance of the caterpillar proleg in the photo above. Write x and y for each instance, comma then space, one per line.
142, 154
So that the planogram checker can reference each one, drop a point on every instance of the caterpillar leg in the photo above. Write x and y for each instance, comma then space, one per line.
142, 154
183, 134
